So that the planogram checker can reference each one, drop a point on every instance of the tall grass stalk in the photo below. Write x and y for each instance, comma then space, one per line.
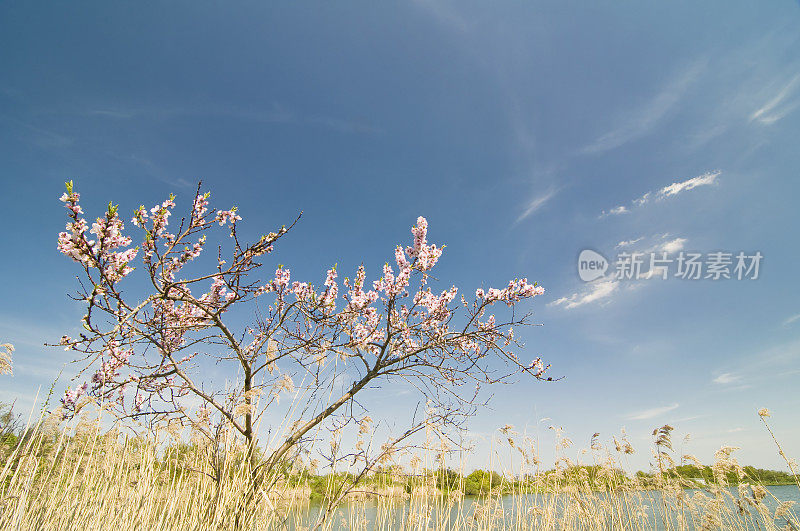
85, 477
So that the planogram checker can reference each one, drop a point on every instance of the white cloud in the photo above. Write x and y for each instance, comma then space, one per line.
536, 203
763, 366
701, 180
706, 179
727, 378
628, 243
656, 272
603, 288
672, 246
643, 120
791, 319
658, 243
763, 116
616, 211
642, 200
652, 413
595, 291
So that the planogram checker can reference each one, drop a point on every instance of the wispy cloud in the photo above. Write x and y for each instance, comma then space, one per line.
628, 243
343, 126
152, 169
657, 243
274, 114
727, 378
664, 246
652, 413
689, 418
40, 136
616, 211
763, 367
771, 111
536, 203
33, 334
640, 122
672, 246
636, 258
666, 192
595, 291
112, 113
782, 354
791, 319
676, 188
446, 13
740, 387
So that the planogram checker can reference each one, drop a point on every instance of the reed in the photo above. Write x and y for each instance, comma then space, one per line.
83, 476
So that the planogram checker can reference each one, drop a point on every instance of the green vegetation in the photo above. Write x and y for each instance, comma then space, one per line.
54, 476
706, 475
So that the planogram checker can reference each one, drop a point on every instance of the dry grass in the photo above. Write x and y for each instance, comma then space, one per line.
6, 350
86, 478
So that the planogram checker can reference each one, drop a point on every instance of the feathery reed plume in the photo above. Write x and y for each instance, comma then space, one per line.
763, 413
6, 366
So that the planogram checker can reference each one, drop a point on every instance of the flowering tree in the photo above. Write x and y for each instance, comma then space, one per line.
143, 352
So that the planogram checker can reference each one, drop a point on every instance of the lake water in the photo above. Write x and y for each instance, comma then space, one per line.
641, 510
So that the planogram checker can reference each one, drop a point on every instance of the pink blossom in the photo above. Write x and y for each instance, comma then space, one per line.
417, 322
224, 216
199, 209
358, 299
391, 285
400, 258
281, 279
159, 215
70, 398
420, 232
140, 216
331, 291
138, 401
488, 325
425, 256
515, 291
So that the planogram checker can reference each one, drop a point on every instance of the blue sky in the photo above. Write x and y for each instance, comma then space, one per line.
515, 128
